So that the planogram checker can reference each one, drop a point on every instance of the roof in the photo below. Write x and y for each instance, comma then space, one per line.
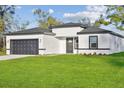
36, 30
69, 25
97, 30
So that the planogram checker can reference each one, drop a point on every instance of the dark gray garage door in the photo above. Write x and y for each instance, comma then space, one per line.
24, 46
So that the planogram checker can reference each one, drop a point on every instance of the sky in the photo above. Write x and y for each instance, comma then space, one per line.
65, 13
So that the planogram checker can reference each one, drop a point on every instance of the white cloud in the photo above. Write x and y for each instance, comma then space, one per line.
92, 12
51, 11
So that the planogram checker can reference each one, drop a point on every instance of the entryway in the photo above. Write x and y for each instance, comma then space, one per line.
69, 45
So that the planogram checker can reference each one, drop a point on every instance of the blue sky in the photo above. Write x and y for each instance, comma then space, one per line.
66, 13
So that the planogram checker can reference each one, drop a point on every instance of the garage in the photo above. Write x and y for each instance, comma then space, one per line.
24, 46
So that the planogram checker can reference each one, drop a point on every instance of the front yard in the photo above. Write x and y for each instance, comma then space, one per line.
63, 71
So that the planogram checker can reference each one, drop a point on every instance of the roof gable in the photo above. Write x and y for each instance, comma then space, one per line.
36, 30
69, 25
97, 30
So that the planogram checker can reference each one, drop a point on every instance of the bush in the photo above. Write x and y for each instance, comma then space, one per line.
2, 51
100, 53
94, 53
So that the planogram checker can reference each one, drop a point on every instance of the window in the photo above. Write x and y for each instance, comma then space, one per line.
93, 42
76, 43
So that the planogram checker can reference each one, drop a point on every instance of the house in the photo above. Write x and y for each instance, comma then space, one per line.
66, 38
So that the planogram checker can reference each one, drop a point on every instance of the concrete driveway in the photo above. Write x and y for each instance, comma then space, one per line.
8, 57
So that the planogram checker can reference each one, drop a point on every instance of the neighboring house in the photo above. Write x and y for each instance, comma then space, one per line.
66, 38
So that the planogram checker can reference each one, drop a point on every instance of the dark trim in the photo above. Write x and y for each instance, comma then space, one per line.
94, 49
64, 26
75, 42
42, 49
97, 30
36, 30
38, 49
101, 32
69, 25
7, 49
25, 39
91, 32
36, 33
96, 42
115, 34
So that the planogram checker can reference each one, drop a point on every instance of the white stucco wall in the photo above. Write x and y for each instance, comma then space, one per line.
116, 44
51, 44
103, 42
36, 36
62, 43
57, 44
62, 34
67, 31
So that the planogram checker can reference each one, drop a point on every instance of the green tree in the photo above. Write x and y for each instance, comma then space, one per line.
114, 15
18, 24
6, 12
45, 19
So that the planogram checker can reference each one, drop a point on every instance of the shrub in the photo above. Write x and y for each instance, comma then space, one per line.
94, 53
2, 51
84, 54
100, 53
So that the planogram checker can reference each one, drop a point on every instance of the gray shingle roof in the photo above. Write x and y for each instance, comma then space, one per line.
93, 30
96, 30
36, 30
69, 25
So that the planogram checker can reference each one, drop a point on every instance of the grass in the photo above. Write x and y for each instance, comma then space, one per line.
63, 71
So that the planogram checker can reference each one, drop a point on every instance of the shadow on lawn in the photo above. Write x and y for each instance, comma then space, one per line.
116, 62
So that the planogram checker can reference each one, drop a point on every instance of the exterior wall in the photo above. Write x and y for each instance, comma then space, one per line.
103, 44
62, 46
62, 43
67, 31
117, 44
50, 44
39, 37
55, 45
62, 34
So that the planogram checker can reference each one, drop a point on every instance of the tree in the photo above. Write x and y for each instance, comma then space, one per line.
6, 12
114, 15
85, 21
45, 19
18, 24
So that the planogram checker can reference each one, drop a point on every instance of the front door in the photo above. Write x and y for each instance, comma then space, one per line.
69, 45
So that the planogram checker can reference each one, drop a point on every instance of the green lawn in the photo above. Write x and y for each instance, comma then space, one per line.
63, 71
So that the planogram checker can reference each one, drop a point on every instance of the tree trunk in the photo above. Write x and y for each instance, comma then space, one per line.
4, 42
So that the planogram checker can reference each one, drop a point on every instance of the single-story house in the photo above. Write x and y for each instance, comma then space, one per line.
66, 38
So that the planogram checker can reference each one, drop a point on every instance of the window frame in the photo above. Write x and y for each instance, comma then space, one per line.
76, 44
90, 47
